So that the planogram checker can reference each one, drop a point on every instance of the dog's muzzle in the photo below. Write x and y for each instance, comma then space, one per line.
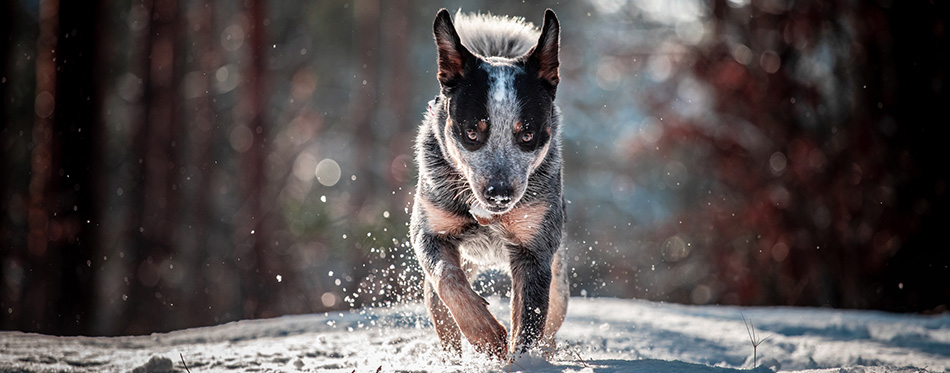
499, 195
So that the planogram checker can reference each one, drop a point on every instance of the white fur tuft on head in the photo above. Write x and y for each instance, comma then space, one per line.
482, 34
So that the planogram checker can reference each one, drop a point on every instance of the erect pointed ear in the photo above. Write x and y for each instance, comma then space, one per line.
454, 59
543, 59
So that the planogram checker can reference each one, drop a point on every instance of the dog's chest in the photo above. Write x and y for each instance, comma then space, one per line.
486, 248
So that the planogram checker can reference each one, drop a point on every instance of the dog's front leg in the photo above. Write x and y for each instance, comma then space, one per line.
445, 326
442, 265
530, 285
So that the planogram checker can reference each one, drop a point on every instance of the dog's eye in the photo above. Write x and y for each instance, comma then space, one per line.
472, 134
527, 136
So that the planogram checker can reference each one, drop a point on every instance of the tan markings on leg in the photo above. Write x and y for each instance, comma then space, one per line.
469, 310
557, 302
445, 326
516, 305
522, 223
440, 221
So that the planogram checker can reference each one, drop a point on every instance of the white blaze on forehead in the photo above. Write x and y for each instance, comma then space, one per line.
503, 106
502, 85
501, 91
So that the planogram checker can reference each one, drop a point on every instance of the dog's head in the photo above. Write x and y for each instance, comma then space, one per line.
500, 112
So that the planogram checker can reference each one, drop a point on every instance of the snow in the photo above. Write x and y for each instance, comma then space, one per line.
599, 335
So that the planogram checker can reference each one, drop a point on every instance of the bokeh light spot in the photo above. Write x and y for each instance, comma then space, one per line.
232, 38
305, 166
778, 162
241, 138
770, 62
328, 172
44, 104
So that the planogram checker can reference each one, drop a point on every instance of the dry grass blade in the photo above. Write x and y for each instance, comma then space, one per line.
183, 362
580, 358
754, 338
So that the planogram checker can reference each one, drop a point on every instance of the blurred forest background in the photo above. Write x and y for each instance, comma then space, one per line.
174, 163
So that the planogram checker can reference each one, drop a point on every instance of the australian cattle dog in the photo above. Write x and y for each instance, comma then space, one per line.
489, 191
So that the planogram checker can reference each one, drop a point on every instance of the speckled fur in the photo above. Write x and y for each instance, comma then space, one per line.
499, 77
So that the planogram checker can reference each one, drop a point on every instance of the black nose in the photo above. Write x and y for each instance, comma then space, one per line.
498, 192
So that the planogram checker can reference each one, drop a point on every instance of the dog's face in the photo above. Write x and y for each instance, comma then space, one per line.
500, 113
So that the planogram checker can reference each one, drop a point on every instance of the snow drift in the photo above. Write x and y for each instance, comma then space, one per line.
601, 335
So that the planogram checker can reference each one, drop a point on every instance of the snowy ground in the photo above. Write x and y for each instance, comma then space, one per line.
600, 335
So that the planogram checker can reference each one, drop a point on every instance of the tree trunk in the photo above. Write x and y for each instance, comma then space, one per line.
253, 235
198, 300
157, 192
9, 291
63, 210
42, 284
78, 130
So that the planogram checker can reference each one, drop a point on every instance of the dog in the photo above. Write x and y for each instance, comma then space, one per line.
489, 192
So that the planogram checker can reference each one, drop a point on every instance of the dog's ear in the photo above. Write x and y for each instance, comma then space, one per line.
543, 58
454, 58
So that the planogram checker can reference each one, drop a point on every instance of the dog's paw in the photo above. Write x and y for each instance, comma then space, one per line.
471, 314
475, 322
481, 328
488, 337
